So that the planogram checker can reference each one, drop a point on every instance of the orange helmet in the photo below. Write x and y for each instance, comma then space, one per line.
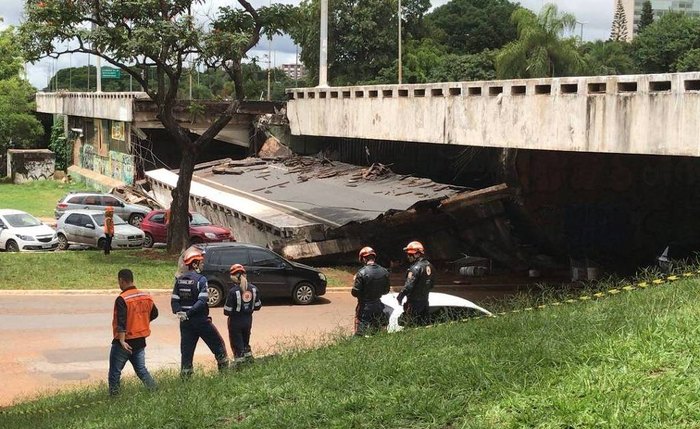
191, 255
109, 209
237, 268
367, 251
414, 247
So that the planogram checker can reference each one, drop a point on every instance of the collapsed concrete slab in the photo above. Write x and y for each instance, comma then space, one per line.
308, 208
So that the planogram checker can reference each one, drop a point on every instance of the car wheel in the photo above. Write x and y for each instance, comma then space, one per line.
135, 219
101, 243
11, 246
216, 295
147, 241
62, 242
303, 293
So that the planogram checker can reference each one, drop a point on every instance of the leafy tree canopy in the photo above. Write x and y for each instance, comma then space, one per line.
472, 26
602, 58
663, 45
363, 37
18, 125
540, 50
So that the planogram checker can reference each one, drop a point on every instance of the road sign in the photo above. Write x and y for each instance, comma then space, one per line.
109, 73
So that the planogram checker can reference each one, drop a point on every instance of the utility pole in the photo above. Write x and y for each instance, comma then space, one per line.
400, 60
323, 55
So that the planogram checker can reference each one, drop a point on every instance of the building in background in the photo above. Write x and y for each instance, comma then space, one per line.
633, 10
294, 71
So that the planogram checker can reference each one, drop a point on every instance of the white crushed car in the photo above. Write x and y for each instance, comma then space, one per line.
443, 307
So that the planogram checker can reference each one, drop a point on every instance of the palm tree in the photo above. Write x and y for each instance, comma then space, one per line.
540, 50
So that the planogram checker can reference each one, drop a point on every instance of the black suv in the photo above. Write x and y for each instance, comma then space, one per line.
272, 274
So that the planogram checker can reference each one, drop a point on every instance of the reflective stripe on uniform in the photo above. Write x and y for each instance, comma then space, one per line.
203, 295
186, 307
173, 296
226, 308
135, 295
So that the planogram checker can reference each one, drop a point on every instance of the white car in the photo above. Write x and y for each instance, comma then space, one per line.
86, 228
443, 307
22, 231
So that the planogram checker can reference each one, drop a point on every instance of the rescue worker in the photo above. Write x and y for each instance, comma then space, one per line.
419, 281
371, 282
189, 303
109, 229
242, 300
131, 324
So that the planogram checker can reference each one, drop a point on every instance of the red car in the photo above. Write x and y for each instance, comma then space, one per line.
201, 230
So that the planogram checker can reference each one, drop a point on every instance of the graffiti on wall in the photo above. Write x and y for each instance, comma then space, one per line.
116, 165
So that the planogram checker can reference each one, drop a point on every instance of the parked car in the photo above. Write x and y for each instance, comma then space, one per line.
443, 308
86, 228
22, 231
272, 274
201, 230
134, 213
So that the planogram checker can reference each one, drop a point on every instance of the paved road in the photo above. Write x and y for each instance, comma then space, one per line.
49, 342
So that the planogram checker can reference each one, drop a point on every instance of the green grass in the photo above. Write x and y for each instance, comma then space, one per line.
85, 269
91, 270
626, 361
37, 198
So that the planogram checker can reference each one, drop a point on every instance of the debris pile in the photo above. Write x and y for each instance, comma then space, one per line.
136, 195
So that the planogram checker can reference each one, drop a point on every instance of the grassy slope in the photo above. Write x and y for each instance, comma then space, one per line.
36, 198
625, 361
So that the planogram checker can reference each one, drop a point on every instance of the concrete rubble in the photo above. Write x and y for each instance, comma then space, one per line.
314, 209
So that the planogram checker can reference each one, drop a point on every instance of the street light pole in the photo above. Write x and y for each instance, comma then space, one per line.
400, 60
323, 54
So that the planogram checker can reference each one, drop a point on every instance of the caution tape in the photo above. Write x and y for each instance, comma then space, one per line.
595, 296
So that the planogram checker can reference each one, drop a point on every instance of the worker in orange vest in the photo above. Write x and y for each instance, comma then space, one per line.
131, 324
109, 229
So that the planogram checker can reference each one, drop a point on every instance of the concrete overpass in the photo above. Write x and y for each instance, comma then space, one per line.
634, 114
137, 109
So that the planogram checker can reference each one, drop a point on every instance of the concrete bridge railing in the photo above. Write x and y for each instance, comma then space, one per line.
643, 114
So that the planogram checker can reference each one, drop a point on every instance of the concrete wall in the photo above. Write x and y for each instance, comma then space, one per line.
117, 106
31, 164
641, 114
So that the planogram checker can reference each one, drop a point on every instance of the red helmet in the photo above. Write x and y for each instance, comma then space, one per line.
414, 247
237, 268
192, 254
367, 251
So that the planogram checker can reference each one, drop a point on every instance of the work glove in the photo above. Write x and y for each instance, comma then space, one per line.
181, 315
400, 297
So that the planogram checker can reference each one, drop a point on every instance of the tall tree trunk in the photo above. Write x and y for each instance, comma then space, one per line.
179, 226
238, 80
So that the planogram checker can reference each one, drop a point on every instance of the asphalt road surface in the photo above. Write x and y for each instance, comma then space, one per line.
50, 342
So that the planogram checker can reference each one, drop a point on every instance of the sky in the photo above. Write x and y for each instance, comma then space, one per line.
596, 16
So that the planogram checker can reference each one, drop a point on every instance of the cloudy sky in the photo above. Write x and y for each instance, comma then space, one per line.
596, 16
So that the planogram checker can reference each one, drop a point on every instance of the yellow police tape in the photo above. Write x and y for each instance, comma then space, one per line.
582, 298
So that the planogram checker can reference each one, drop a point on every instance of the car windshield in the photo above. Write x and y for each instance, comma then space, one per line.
22, 220
100, 220
199, 220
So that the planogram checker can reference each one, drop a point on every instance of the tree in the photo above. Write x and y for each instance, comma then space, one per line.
58, 144
157, 36
647, 17
607, 58
618, 33
690, 61
662, 46
540, 50
18, 126
362, 36
472, 26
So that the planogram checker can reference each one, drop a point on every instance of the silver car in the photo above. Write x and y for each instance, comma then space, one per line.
86, 228
134, 213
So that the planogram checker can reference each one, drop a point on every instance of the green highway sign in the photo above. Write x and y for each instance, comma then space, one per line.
111, 73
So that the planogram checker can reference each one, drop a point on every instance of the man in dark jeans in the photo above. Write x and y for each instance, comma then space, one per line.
133, 312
